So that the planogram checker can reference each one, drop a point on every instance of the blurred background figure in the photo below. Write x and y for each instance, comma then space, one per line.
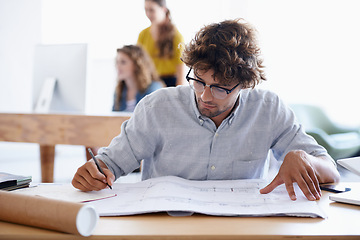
136, 77
162, 41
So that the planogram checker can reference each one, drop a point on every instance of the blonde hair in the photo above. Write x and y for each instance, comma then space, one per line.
144, 70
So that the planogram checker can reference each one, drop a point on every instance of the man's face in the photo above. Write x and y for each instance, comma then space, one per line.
208, 105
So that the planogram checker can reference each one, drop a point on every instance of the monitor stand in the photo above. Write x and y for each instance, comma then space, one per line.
47, 91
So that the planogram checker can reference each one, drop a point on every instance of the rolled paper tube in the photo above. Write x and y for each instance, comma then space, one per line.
63, 216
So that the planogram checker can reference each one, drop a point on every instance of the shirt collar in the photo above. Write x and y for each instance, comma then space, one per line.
200, 118
235, 110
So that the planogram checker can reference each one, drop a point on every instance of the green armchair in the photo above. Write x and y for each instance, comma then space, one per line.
339, 141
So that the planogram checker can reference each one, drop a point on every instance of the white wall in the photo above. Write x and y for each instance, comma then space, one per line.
310, 47
20, 30
312, 51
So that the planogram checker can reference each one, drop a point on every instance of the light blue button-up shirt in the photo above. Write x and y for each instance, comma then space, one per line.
173, 138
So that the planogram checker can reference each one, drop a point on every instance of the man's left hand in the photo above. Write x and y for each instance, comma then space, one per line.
297, 168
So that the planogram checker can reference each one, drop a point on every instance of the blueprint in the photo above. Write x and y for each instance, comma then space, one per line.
179, 196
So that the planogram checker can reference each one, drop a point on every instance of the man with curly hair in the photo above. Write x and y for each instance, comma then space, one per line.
219, 127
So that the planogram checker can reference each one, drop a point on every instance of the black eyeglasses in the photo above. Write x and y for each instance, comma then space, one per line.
216, 91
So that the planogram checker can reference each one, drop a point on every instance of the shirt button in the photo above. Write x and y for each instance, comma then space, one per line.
201, 121
216, 134
213, 167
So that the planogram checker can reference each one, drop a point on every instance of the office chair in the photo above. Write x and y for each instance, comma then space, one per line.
339, 141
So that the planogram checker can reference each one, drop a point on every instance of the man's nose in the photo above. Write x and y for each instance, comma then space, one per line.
207, 95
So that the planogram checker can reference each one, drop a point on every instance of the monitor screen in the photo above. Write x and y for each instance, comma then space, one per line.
60, 78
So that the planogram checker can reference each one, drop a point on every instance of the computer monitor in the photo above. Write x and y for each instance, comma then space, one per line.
59, 80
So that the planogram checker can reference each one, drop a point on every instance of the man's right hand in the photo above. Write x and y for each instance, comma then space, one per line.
89, 178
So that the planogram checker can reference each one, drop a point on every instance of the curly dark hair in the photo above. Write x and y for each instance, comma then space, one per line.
230, 49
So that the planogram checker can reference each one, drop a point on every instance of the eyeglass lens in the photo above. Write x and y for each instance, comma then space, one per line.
215, 91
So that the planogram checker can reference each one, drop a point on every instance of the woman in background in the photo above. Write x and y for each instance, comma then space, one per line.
162, 41
136, 77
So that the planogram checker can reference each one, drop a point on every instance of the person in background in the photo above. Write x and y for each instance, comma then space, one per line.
162, 41
136, 77
219, 127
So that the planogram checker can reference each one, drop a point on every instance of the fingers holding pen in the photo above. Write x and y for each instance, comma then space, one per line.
89, 178
110, 177
100, 168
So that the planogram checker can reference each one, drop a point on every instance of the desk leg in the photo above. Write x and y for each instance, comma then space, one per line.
47, 156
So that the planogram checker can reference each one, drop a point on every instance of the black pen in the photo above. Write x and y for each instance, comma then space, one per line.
97, 164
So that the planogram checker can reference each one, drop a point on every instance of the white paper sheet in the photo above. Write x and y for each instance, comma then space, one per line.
223, 198
65, 192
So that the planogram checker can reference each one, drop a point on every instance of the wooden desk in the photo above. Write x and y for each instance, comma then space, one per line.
50, 129
342, 223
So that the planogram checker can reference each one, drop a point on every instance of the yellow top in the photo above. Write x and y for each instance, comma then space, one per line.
164, 66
